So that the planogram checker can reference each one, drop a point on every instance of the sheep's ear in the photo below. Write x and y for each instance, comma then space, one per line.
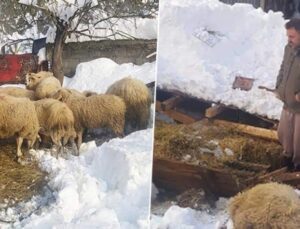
59, 95
52, 95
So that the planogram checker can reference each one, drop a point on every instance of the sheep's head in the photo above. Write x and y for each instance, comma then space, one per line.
62, 95
33, 79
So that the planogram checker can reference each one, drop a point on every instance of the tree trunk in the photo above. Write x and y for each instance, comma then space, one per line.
57, 64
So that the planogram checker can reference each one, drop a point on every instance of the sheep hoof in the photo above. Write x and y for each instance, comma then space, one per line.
21, 161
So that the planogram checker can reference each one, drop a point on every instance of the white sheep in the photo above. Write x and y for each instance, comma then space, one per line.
137, 99
270, 205
18, 119
56, 121
43, 83
94, 112
18, 92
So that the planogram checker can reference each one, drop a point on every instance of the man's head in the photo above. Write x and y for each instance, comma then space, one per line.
293, 32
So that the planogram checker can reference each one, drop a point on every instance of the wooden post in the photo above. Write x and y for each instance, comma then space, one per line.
263, 4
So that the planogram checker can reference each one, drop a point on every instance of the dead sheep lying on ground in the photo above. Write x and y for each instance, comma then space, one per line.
94, 112
137, 99
18, 119
43, 83
56, 121
269, 205
18, 92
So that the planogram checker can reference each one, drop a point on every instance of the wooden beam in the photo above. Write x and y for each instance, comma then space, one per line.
290, 178
180, 117
263, 4
184, 95
272, 175
251, 130
170, 103
179, 176
213, 111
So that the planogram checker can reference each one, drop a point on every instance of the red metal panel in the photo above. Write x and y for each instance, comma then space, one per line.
13, 68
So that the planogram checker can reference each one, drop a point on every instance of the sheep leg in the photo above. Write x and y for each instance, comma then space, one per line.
61, 150
74, 147
19, 145
79, 139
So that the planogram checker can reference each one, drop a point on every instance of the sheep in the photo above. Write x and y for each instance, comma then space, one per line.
89, 93
18, 92
56, 120
94, 112
18, 119
33, 79
44, 84
270, 205
137, 99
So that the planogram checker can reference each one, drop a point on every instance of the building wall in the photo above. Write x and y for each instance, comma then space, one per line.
120, 51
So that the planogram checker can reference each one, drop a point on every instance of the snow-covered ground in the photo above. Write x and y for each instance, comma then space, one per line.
204, 44
175, 217
106, 186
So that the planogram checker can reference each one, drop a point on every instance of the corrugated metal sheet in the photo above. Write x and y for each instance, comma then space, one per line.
13, 68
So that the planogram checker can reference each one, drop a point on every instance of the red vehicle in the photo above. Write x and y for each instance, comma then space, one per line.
14, 67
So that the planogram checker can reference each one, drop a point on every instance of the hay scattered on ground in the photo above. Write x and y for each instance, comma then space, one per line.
217, 147
18, 182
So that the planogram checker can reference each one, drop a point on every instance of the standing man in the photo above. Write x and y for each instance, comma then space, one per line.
288, 90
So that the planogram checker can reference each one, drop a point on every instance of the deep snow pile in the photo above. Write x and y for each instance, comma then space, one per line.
204, 44
106, 187
103, 72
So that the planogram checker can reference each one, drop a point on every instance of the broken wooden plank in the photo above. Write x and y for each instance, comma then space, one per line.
213, 111
272, 175
249, 166
180, 176
185, 95
180, 117
170, 103
251, 130
289, 178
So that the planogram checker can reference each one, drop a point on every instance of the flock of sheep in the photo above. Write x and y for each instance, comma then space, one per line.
46, 109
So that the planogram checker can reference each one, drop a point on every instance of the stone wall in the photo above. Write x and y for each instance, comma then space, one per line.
120, 51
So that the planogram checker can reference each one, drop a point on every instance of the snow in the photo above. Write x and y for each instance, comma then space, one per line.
140, 28
107, 186
103, 72
204, 44
188, 218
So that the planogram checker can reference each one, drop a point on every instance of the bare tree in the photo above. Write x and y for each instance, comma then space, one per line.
80, 18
